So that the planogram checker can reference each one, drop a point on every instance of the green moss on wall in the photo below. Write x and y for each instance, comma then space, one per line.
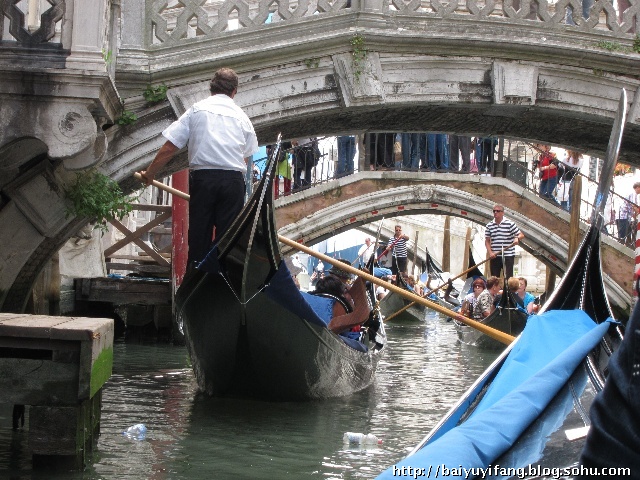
101, 370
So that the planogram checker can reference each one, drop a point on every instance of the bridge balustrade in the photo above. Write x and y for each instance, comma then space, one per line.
168, 23
172, 23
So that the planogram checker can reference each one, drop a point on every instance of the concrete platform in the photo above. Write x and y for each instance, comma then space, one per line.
57, 366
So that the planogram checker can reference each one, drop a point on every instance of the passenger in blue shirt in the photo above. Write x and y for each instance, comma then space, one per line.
527, 298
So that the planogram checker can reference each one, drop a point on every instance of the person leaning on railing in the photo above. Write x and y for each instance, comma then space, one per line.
627, 211
571, 164
547, 165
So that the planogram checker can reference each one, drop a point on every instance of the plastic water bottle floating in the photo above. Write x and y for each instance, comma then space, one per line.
136, 432
361, 438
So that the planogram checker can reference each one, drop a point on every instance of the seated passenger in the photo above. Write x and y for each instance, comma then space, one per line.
469, 302
351, 308
528, 300
513, 284
484, 303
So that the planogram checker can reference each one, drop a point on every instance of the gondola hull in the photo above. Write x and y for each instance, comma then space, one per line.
394, 302
250, 332
508, 320
263, 350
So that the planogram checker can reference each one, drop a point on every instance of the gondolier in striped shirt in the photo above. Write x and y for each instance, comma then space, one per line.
501, 236
397, 246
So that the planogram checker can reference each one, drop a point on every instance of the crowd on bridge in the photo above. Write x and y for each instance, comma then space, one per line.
554, 176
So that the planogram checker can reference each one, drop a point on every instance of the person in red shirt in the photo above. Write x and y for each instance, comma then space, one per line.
547, 165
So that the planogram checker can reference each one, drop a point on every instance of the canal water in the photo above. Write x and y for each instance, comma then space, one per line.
191, 436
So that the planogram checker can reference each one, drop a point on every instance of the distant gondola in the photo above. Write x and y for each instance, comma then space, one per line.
529, 410
249, 330
393, 303
507, 318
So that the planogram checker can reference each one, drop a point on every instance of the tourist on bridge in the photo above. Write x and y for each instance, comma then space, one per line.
437, 152
346, 154
501, 237
410, 150
379, 149
571, 164
548, 167
460, 146
220, 140
306, 154
485, 148
626, 211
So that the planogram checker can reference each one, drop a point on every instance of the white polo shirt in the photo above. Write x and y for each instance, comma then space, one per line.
219, 134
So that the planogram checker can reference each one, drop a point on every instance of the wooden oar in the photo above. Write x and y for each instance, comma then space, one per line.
444, 284
492, 332
162, 186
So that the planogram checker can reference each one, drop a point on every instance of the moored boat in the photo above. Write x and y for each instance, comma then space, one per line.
250, 331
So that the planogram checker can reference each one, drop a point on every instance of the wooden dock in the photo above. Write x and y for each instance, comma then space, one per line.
56, 366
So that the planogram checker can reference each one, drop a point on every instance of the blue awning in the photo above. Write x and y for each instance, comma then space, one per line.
549, 350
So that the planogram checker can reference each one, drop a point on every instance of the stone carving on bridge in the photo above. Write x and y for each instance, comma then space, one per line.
174, 21
425, 193
514, 83
20, 30
66, 128
363, 87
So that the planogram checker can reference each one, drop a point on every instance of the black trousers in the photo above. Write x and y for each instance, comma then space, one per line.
496, 266
398, 265
217, 196
461, 144
304, 161
379, 148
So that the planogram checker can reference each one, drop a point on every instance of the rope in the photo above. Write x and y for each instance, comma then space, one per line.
236, 295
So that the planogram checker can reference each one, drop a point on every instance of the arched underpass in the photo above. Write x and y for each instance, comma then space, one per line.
323, 211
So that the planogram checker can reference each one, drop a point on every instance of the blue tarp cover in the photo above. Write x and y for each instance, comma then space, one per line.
549, 350
282, 290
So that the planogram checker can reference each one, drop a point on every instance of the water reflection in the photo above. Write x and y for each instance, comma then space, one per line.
191, 436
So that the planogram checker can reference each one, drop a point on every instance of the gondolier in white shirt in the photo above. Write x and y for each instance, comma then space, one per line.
220, 139
501, 236
366, 251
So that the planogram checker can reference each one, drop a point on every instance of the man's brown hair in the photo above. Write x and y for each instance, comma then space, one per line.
513, 284
224, 81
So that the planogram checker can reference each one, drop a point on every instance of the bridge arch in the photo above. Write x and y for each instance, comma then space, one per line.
438, 199
460, 69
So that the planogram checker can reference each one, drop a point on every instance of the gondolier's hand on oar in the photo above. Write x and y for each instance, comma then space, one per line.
493, 254
166, 153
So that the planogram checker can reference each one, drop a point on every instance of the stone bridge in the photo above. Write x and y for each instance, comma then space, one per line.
308, 67
318, 213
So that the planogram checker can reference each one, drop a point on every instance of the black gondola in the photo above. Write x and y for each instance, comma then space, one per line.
529, 410
393, 302
507, 318
250, 331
